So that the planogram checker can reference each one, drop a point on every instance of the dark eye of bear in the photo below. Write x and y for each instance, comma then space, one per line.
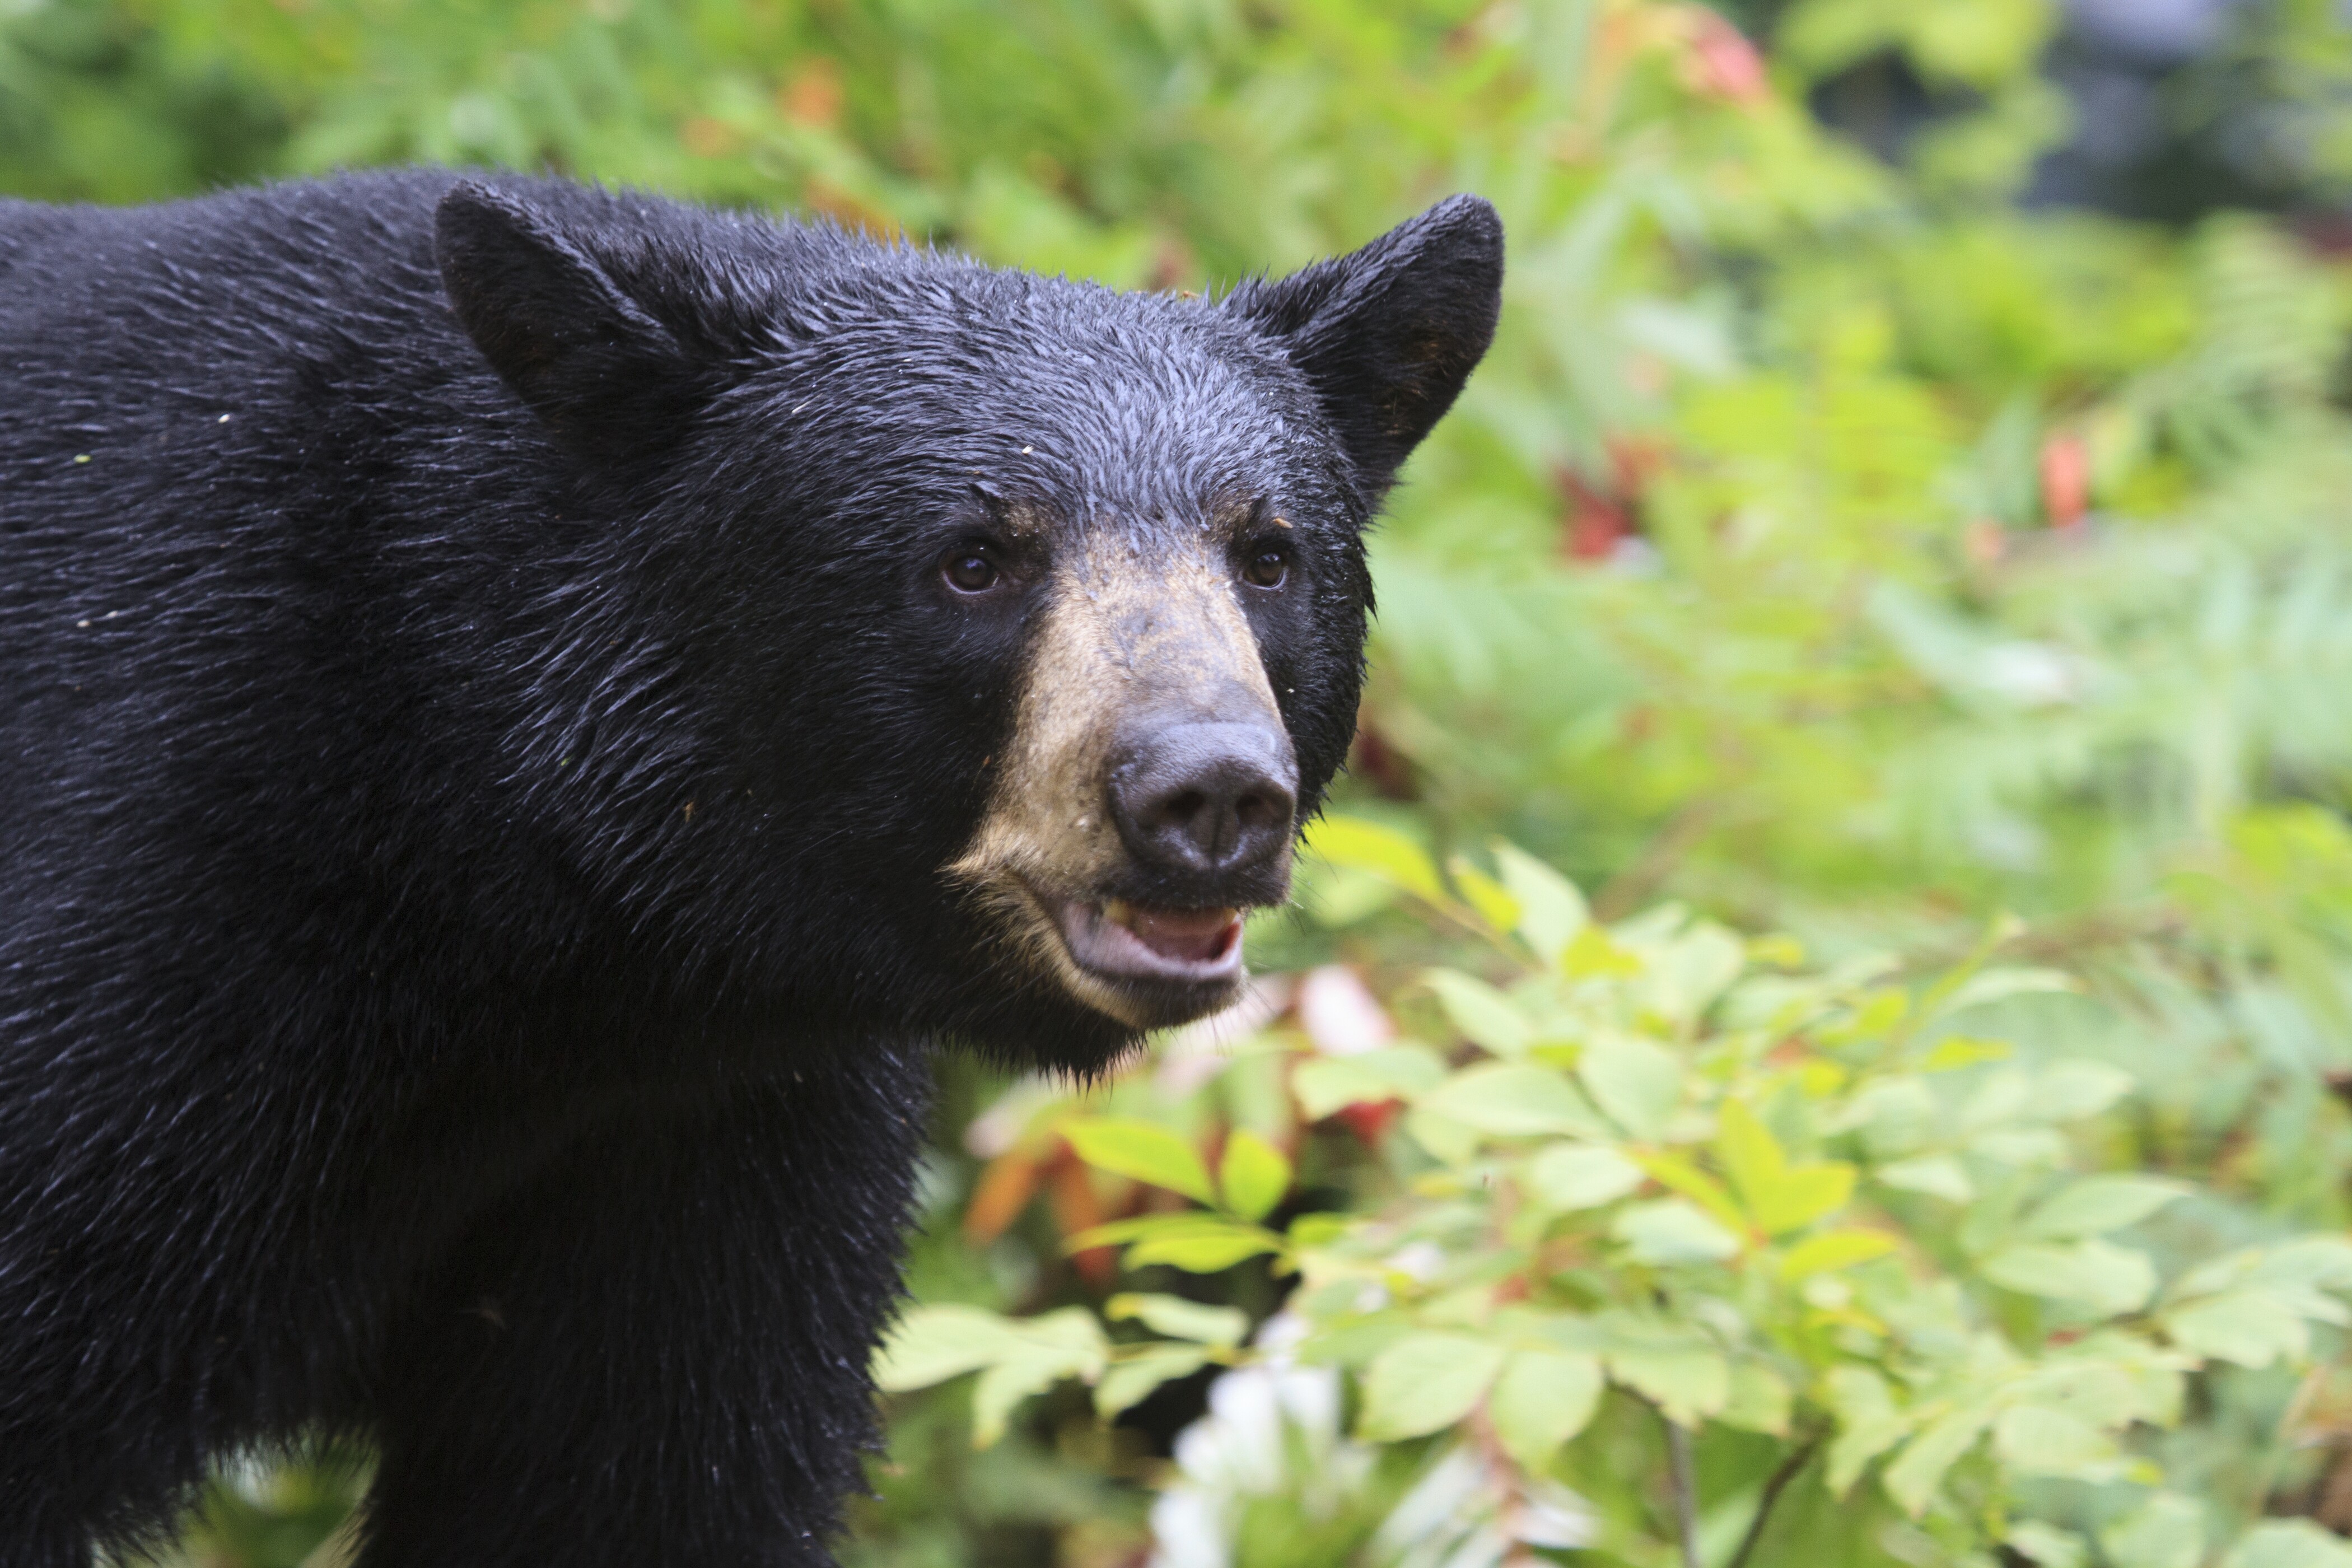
970, 569
1267, 566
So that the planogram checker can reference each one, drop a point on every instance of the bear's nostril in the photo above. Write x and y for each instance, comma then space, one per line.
1257, 810
1186, 806
1206, 798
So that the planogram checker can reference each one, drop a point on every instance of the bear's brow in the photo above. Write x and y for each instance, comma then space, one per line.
1223, 516
1022, 520
1234, 514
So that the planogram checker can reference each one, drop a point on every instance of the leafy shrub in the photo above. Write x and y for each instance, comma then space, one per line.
1664, 1187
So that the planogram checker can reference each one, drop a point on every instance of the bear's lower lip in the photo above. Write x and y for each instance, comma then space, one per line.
1133, 941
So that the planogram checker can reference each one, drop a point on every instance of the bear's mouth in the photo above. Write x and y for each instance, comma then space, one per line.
1116, 939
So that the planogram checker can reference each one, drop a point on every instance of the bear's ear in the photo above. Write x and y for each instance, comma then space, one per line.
1388, 335
608, 379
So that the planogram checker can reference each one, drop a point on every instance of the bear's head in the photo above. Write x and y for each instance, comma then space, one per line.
1012, 627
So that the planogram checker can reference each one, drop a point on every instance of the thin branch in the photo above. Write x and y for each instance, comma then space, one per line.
2071, 939
1773, 1487
2281, 1443
1678, 1462
1625, 892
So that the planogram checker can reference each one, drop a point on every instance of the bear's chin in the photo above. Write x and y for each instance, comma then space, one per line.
1043, 1025
1063, 1038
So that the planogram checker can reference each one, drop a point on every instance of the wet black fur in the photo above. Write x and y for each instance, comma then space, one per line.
471, 806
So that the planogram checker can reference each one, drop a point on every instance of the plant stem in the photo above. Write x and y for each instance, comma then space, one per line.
1773, 1487
2267, 1467
1678, 1462
1656, 862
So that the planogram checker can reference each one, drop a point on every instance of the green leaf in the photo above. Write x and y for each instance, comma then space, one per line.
1120, 1232
1358, 845
1004, 1387
2108, 1279
1179, 1319
1540, 1400
1490, 899
1683, 977
2032, 1439
1880, 1011
1070, 1333
1142, 1150
2000, 984
1670, 1231
1337, 896
1807, 1193
1751, 1156
1037, 1354
1424, 1382
1912, 1480
2071, 1090
1760, 1401
1513, 1100
1568, 1176
1937, 1175
1688, 1381
1252, 1175
1833, 1250
2021, 1146
1637, 1083
1868, 1424
1678, 1175
1956, 1051
1205, 1250
2324, 1261
1320, 1229
2107, 1393
1778, 1197
2251, 1327
1327, 1084
2168, 1530
1896, 1115
1551, 911
2096, 1204
2046, 1546
2289, 1544
1591, 955
1129, 1382
1535, 1328
932, 1344
1485, 1016
1449, 1143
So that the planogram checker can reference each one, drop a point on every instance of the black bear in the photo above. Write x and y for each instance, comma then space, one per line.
525, 712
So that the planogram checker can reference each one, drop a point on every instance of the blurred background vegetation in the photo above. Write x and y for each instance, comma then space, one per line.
1910, 497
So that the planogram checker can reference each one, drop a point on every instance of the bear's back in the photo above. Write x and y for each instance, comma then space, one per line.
109, 315
254, 480
157, 292
281, 555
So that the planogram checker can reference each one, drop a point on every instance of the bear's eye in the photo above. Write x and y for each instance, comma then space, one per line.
1267, 566
970, 568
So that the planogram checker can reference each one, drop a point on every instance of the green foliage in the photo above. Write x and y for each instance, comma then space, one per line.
1798, 1206
1824, 545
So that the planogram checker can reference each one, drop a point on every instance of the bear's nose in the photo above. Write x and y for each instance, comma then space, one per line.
1206, 798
